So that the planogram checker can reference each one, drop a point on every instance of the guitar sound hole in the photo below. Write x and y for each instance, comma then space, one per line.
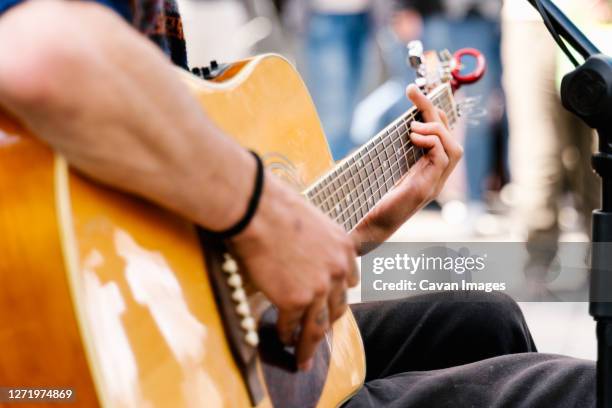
287, 386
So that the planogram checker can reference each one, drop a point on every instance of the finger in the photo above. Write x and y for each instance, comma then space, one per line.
435, 150
314, 326
287, 325
429, 128
427, 108
439, 156
429, 142
451, 146
336, 303
361, 246
353, 276
444, 118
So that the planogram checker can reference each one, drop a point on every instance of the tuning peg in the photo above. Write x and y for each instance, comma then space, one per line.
416, 60
415, 54
446, 68
446, 56
472, 110
422, 84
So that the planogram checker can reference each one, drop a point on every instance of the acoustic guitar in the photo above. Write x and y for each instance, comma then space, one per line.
127, 305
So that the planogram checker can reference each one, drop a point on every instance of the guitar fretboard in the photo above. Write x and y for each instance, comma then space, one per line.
354, 186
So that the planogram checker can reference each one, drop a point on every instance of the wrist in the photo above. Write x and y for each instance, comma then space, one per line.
366, 236
270, 209
259, 224
252, 205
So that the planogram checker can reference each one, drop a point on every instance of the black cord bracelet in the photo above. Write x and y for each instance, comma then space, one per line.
251, 209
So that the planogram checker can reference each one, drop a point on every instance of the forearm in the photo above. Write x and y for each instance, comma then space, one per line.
385, 219
103, 96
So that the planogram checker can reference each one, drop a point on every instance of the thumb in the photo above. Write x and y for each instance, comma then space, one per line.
430, 113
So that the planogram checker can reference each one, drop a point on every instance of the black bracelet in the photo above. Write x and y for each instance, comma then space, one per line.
251, 209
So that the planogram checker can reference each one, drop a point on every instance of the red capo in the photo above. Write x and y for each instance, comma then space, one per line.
463, 79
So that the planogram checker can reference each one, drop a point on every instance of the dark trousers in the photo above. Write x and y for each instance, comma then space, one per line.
462, 350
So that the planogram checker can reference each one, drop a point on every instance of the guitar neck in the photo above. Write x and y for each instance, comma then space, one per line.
355, 185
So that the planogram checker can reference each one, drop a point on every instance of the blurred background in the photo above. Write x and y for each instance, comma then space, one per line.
526, 174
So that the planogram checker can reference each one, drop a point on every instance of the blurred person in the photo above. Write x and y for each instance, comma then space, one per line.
550, 147
455, 24
402, 27
249, 27
265, 29
386, 100
336, 38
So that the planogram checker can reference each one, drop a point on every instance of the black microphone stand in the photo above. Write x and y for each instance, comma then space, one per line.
587, 92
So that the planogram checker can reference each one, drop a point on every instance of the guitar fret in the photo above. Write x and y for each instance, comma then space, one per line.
389, 184
397, 166
348, 191
354, 187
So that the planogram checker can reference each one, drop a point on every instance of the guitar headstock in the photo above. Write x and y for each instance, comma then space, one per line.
435, 68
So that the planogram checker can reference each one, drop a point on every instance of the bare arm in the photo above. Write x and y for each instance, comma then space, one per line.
422, 183
78, 70
101, 94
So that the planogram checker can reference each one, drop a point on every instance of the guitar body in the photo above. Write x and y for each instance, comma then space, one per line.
110, 295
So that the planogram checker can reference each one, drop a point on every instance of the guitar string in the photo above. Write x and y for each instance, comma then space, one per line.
332, 194
347, 224
406, 153
408, 118
358, 210
405, 122
371, 192
367, 149
368, 191
369, 184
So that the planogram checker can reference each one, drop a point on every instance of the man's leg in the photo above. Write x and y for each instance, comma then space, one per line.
439, 331
585, 184
460, 350
529, 380
536, 141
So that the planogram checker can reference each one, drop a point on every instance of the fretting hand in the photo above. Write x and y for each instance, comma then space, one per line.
424, 180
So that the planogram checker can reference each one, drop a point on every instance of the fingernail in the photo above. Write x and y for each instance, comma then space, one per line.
306, 366
415, 122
